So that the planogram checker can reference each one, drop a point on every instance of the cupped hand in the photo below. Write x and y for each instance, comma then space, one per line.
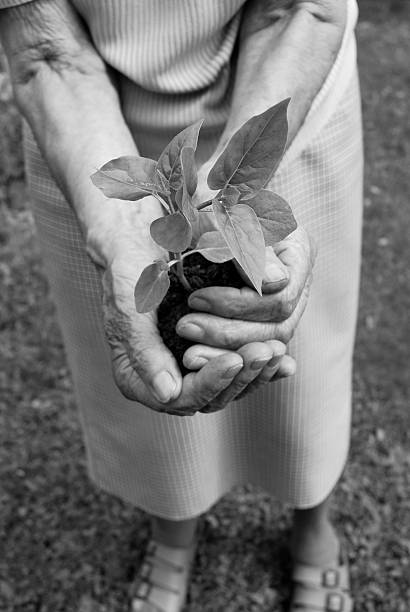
264, 362
144, 369
229, 318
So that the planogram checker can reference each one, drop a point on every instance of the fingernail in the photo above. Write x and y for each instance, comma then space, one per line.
232, 371
274, 361
164, 386
276, 283
199, 362
258, 364
199, 304
190, 330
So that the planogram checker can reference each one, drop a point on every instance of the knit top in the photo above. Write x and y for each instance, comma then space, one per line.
173, 60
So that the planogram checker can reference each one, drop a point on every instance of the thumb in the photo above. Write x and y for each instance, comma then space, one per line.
143, 366
152, 360
276, 275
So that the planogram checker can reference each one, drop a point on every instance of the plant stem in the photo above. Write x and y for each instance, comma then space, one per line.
204, 205
173, 208
175, 260
163, 203
180, 273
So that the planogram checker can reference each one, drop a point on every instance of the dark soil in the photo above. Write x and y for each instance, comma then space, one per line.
200, 273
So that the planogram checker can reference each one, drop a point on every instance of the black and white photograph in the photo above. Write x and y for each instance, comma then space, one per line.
204, 305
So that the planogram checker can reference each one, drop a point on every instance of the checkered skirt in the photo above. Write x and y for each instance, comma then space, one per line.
292, 436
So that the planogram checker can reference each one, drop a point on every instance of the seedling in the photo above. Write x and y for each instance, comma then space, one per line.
237, 223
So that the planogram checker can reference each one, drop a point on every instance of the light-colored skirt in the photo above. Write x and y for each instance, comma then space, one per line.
291, 437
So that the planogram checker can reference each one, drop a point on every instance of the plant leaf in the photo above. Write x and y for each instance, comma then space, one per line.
274, 214
205, 222
169, 162
187, 208
254, 151
241, 229
127, 178
162, 182
229, 195
152, 286
172, 232
183, 196
189, 171
212, 245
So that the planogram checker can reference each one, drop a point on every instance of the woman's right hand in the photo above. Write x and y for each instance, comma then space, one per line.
143, 367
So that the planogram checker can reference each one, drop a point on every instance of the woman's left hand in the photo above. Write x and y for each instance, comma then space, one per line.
229, 318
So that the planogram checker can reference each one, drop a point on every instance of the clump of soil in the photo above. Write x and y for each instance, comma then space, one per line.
200, 273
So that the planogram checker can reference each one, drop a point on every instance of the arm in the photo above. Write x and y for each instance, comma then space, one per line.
284, 52
64, 91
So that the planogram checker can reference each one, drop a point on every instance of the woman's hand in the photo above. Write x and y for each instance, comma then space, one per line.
228, 318
287, 279
144, 369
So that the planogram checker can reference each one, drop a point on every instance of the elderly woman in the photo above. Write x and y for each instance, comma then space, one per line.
96, 80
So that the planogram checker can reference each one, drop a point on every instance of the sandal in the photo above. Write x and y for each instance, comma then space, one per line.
321, 589
162, 581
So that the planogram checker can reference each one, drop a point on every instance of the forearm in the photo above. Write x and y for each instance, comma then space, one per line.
65, 93
284, 53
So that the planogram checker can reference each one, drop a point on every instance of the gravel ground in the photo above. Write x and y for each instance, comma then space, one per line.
66, 546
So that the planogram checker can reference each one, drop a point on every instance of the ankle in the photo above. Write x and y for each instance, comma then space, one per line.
314, 543
311, 524
175, 534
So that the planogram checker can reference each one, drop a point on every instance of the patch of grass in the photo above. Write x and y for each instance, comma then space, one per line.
68, 547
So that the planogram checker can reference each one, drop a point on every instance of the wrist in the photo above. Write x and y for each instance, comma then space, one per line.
122, 231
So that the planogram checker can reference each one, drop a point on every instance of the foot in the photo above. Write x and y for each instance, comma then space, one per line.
162, 581
320, 571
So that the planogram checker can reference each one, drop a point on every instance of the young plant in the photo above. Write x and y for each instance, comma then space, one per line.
237, 223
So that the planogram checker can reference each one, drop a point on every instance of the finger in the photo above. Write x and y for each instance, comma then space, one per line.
133, 386
225, 333
255, 356
275, 305
287, 367
276, 274
247, 304
297, 252
278, 368
235, 303
197, 355
273, 365
268, 371
230, 333
200, 388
